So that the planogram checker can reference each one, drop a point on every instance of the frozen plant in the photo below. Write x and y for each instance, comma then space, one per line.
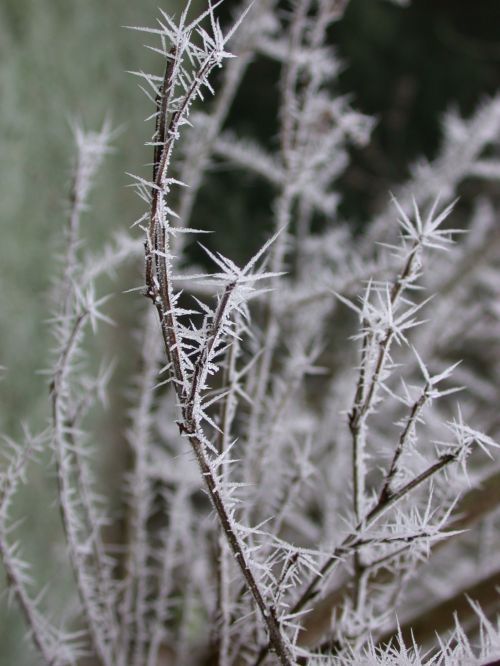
340, 477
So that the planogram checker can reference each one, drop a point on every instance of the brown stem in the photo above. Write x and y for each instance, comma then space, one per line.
160, 290
473, 507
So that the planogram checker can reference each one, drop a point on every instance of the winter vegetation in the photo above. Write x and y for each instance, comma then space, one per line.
312, 433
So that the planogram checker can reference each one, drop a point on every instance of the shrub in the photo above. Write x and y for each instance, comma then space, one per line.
282, 507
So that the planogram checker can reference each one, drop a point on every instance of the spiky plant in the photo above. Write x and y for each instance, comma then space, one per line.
333, 499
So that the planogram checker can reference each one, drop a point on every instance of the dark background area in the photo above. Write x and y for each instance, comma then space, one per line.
406, 66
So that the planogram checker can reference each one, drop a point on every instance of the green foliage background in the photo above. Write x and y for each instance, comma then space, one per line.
60, 60
65, 59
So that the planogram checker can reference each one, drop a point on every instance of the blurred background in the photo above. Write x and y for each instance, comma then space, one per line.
62, 60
